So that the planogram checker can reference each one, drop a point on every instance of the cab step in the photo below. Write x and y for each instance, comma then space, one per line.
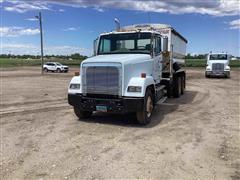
160, 92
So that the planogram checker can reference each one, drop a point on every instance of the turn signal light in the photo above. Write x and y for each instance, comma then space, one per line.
76, 73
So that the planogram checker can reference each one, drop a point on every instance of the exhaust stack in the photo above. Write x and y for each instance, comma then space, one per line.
117, 24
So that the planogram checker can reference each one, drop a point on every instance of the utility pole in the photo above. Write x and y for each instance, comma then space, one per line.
39, 17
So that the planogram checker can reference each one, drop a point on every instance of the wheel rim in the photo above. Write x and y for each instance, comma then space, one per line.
149, 106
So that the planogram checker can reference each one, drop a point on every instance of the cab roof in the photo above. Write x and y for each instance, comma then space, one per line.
150, 28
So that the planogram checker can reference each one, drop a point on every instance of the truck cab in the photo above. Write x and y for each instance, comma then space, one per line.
130, 71
218, 65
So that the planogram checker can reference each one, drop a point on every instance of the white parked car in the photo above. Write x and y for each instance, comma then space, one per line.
55, 67
218, 65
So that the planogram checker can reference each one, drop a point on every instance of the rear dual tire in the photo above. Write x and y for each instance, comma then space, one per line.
183, 84
179, 86
177, 89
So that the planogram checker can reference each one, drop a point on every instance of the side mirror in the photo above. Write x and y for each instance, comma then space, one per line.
164, 44
95, 44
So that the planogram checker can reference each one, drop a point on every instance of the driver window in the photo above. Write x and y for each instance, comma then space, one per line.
105, 45
157, 43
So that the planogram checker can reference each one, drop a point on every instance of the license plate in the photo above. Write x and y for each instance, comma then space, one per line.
101, 108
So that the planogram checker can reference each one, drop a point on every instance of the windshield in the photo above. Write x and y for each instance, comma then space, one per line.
125, 43
59, 64
218, 57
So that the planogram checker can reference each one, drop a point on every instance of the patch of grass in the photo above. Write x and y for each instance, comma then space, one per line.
235, 63
203, 62
8, 62
195, 62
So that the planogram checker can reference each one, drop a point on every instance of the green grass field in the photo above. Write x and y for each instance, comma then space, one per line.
202, 63
6, 62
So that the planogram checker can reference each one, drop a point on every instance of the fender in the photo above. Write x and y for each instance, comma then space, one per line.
75, 80
138, 81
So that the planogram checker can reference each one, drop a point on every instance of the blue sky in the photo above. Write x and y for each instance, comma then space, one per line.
71, 26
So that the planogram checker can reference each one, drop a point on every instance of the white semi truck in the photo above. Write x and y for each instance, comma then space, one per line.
218, 65
132, 69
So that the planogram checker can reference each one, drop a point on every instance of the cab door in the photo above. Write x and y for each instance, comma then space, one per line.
52, 66
157, 58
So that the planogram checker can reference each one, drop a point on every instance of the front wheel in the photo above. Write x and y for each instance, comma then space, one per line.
206, 75
228, 75
82, 114
144, 117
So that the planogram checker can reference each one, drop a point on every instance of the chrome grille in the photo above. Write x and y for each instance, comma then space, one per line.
218, 67
101, 80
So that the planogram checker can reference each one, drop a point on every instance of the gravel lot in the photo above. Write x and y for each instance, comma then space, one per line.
193, 137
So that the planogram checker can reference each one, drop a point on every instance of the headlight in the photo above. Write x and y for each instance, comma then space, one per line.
74, 86
208, 68
134, 89
227, 68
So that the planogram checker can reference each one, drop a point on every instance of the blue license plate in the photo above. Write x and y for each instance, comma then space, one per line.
101, 108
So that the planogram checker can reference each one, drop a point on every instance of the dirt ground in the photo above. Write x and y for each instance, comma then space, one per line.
194, 137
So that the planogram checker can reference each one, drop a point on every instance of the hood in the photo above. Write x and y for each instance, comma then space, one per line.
119, 58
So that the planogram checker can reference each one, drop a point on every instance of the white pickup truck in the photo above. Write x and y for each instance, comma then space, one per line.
132, 69
218, 65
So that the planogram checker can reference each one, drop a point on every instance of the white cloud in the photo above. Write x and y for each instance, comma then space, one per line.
32, 19
24, 6
61, 10
210, 7
235, 24
20, 49
98, 9
71, 29
17, 31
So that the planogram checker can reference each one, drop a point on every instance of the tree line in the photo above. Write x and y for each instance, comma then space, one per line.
196, 56
76, 56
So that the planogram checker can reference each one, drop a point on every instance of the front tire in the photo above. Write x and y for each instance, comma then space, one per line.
228, 75
144, 117
82, 114
206, 75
